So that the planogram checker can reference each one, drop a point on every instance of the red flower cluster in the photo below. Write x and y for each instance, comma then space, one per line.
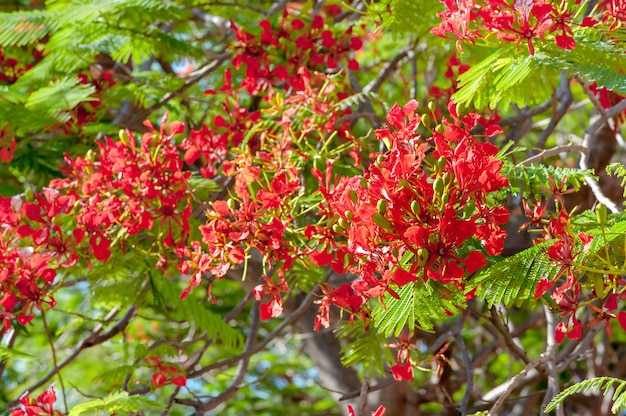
522, 21
123, 190
409, 216
165, 372
608, 99
565, 254
280, 66
403, 369
275, 56
43, 405
131, 187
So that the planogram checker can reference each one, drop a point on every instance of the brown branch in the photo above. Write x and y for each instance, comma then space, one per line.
92, 339
259, 347
54, 356
516, 382
194, 78
235, 385
508, 339
551, 349
553, 151
564, 95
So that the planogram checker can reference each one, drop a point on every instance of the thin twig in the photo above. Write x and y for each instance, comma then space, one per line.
92, 339
194, 78
551, 349
235, 385
564, 95
469, 371
516, 381
508, 339
259, 347
553, 151
363, 397
375, 387
54, 357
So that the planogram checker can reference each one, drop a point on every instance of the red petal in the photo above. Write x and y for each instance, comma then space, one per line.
565, 42
589, 22
321, 257
380, 411
493, 130
180, 381
577, 330
159, 379
560, 331
621, 318
100, 246
475, 261
401, 277
402, 372
542, 287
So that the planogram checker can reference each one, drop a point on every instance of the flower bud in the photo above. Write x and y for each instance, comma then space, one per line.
441, 163
381, 221
381, 206
598, 286
29, 194
445, 198
363, 183
439, 128
353, 196
337, 229
348, 215
426, 121
415, 207
422, 256
438, 185
431, 105
124, 138
343, 224
601, 214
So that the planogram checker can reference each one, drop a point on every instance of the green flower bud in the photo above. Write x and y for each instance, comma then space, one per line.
343, 224
381, 206
598, 286
601, 214
29, 194
348, 215
353, 196
431, 105
441, 163
422, 256
439, 128
337, 229
381, 221
438, 185
415, 207
124, 138
426, 121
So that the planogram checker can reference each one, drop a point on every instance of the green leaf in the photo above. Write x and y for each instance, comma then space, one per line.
60, 95
119, 402
9, 354
593, 385
190, 309
513, 279
419, 304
